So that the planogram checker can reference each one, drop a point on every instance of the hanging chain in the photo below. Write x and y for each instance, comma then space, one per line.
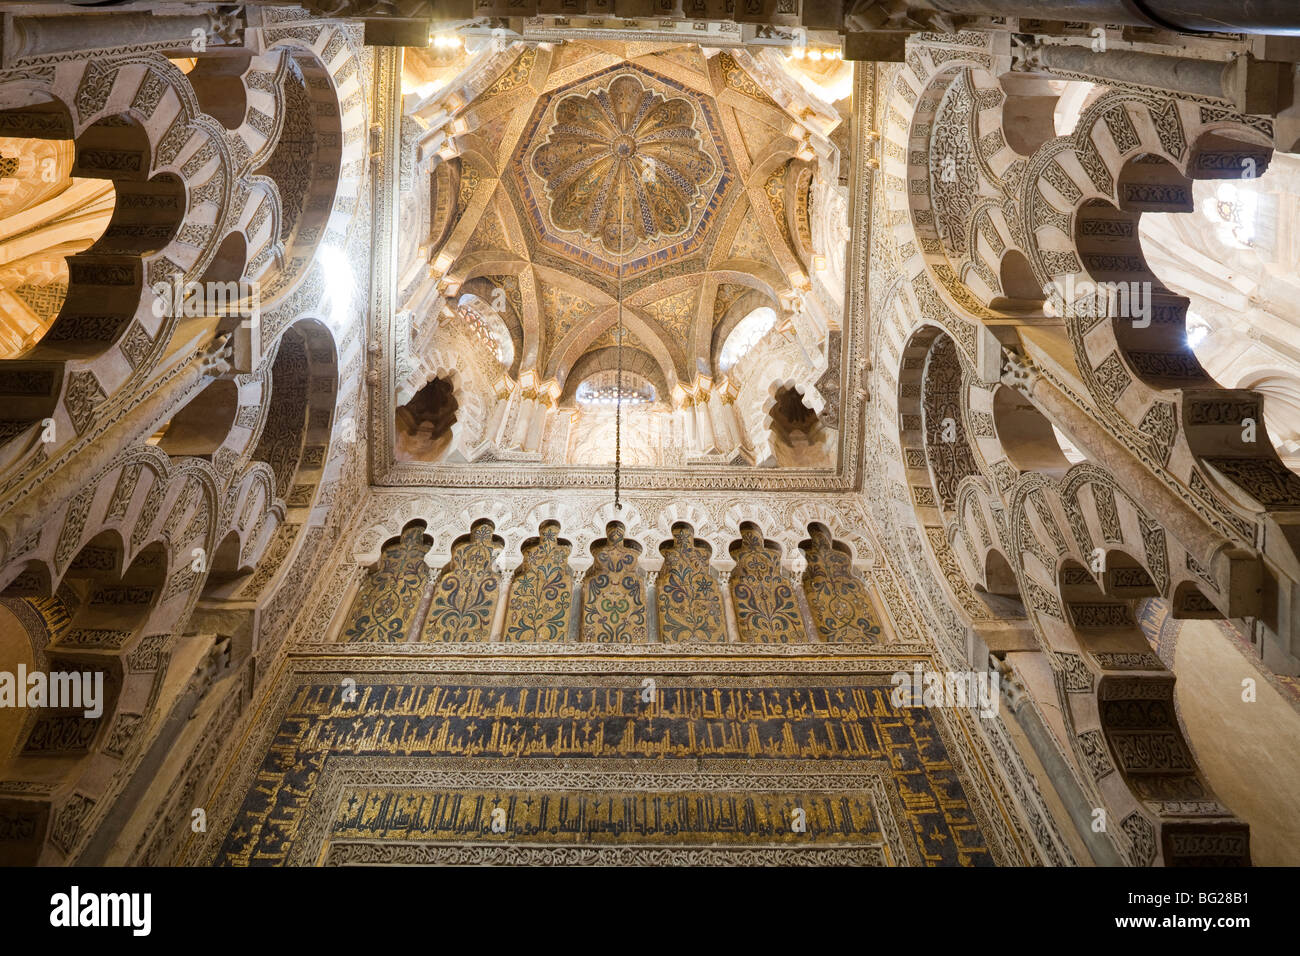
618, 387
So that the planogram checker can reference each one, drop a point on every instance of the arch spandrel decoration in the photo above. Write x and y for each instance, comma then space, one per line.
838, 601
613, 606
465, 595
385, 606
541, 594
767, 611
688, 601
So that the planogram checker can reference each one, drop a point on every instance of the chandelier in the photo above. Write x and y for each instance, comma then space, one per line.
618, 339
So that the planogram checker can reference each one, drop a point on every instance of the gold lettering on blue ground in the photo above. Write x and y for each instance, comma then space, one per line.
542, 720
675, 818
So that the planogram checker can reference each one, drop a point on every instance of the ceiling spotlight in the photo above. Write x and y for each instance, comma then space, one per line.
814, 54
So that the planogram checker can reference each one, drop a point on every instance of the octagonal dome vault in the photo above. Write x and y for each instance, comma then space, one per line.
625, 145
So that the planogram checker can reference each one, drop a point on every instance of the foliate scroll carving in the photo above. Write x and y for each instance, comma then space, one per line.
74, 522
688, 600
68, 821
1107, 513
1123, 661
1266, 480
946, 445
1043, 600
1142, 838
1093, 747
766, 608
83, 395
1157, 553
1100, 615
465, 595
838, 601
1159, 423
1112, 377
1078, 679
1169, 127
385, 606
953, 181
613, 610
541, 593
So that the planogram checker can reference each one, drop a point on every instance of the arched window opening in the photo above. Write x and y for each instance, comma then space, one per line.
1073, 98
1020, 290
485, 322
424, 424
747, 333
281, 442
1235, 259
1029, 111
305, 161
799, 437
200, 428
46, 216
1028, 437
947, 447
1000, 591
225, 574
385, 606
602, 389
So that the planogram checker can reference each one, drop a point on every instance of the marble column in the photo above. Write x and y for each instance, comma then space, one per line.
503, 597
651, 608
805, 613
704, 425
575, 608
728, 607
1176, 74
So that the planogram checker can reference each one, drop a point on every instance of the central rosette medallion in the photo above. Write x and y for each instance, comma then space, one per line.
627, 145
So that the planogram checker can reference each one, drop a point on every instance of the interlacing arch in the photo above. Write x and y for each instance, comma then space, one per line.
1064, 218
207, 486
1005, 239
137, 121
1131, 154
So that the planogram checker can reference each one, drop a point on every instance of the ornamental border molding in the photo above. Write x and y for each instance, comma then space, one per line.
869, 776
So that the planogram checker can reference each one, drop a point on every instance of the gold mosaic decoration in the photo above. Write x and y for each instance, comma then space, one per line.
838, 601
564, 312
686, 594
465, 596
541, 593
767, 611
515, 77
385, 606
734, 75
613, 607
749, 242
676, 313
623, 151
